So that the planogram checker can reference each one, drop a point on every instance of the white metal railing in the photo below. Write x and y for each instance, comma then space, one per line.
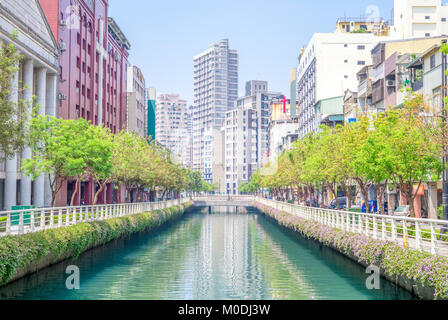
421, 234
33, 220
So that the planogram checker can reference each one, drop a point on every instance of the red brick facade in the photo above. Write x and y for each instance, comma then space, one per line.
76, 24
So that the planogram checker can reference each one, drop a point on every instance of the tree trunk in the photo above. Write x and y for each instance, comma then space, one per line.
75, 192
97, 194
365, 195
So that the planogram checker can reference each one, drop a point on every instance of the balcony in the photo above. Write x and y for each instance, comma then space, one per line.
417, 85
365, 88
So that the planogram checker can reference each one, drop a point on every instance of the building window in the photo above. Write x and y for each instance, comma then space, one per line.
427, 34
345, 45
432, 61
345, 61
427, 17
443, 19
345, 77
361, 63
361, 47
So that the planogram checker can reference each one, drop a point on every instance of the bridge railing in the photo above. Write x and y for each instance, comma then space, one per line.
421, 234
33, 220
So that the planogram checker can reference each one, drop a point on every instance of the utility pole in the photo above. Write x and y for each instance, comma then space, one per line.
444, 121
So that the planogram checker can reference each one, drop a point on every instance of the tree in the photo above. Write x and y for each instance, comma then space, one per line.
194, 181
13, 114
100, 151
415, 158
58, 151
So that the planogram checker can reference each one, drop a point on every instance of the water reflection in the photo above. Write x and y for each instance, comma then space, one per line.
222, 254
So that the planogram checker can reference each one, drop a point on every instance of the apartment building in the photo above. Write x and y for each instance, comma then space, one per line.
136, 105
171, 125
282, 133
390, 70
377, 26
327, 68
246, 131
215, 91
92, 84
419, 18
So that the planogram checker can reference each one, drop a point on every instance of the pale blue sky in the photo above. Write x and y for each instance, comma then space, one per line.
166, 34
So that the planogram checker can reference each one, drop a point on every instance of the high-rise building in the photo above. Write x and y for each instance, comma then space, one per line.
93, 64
151, 95
136, 114
255, 86
171, 125
246, 131
37, 76
327, 67
215, 91
419, 18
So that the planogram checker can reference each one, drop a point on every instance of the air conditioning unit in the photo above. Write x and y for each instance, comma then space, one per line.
62, 96
390, 83
63, 46
63, 22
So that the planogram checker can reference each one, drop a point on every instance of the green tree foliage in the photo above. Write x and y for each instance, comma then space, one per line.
74, 149
13, 114
400, 146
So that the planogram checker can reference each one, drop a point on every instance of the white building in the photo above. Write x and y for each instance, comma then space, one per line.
246, 132
215, 91
327, 67
282, 134
137, 103
37, 76
172, 125
419, 18
214, 157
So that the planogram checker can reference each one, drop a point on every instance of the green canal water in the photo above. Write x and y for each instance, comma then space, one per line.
208, 255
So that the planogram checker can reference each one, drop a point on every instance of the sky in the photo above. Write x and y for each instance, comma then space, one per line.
165, 35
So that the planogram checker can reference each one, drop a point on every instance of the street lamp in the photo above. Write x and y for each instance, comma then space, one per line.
444, 120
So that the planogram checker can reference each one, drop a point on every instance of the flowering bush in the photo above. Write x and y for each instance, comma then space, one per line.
18, 252
425, 269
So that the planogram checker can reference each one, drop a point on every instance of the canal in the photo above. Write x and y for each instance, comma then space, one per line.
208, 255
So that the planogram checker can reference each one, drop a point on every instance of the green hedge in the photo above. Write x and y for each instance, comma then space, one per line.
18, 252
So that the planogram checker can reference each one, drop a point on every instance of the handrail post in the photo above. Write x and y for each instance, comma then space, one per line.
51, 218
8, 223
67, 217
433, 239
418, 235
383, 228
42, 219
21, 223
60, 218
367, 226
375, 226
33, 225
405, 234
394, 231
